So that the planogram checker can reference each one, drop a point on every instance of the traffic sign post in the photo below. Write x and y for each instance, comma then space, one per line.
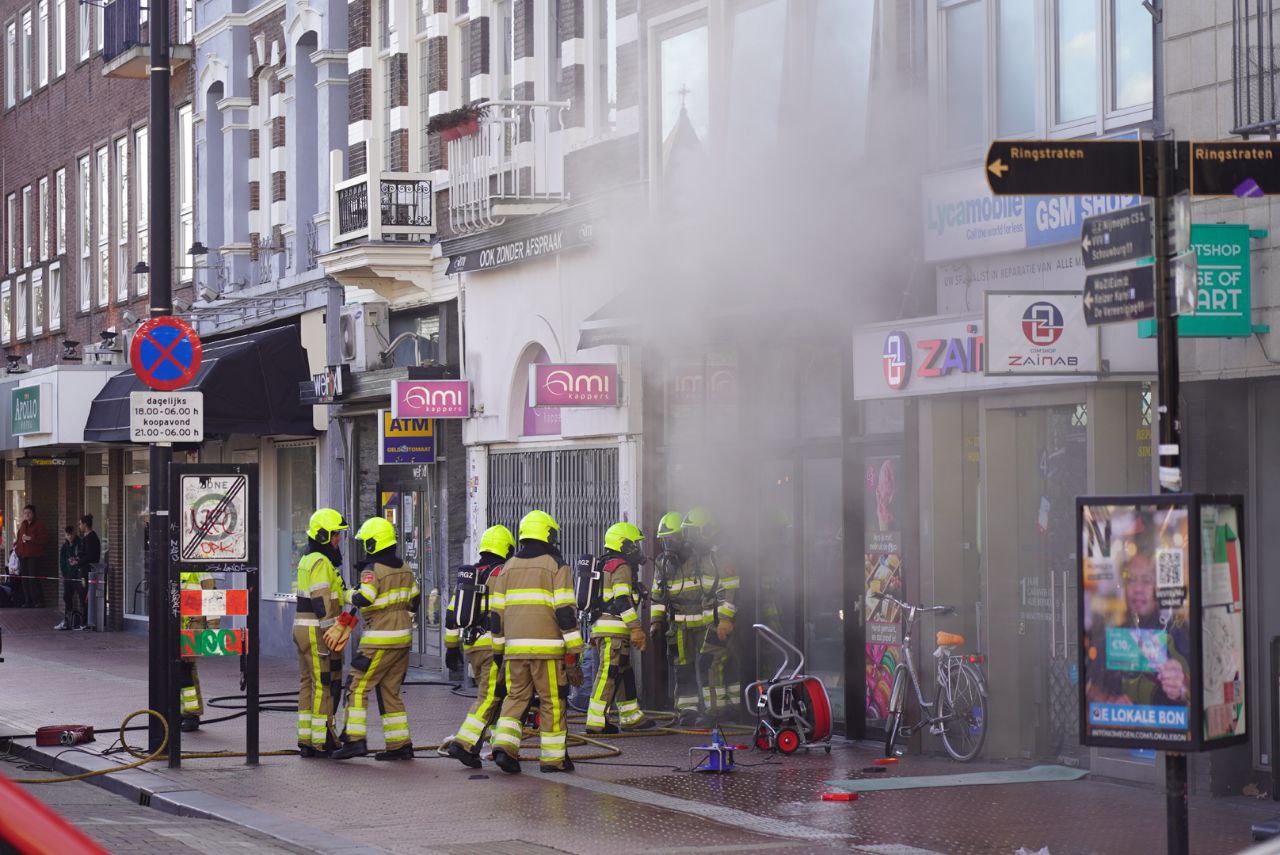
166, 417
166, 353
1118, 236
1119, 296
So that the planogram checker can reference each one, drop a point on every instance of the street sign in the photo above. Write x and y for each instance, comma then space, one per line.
166, 417
1118, 236
1037, 333
405, 441
1244, 168
215, 602
1119, 296
215, 523
1067, 167
165, 353
1225, 284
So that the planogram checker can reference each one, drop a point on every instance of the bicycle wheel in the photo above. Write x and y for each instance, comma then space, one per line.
963, 714
893, 723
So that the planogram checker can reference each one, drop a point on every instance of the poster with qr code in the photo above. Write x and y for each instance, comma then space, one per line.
1135, 624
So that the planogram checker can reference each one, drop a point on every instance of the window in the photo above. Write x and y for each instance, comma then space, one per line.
460, 55
6, 307
122, 219
11, 230
839, 54
295, 501
25, 56
55, 296
103, 211
135, 514
60, 217
186, 21
58, 36
386, 11
98, 28
186, 183
1016, 69
84, 185
684, 114
37, 302
965, 45
42, 217
554, 49
1131, 47
140, 152
28, 239
82, 31
607, 63
42, 43
755, 79
502, 45
1077, 67
21, 301
389, 93
10, 64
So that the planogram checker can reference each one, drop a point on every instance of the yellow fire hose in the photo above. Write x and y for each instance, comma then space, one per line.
145, 758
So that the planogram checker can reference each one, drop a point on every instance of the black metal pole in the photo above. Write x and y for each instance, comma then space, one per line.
164, 661
253, 583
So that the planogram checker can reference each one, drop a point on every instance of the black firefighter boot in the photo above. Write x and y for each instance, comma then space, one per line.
404, 752
470, 759
356, 748
550, 768
506, 762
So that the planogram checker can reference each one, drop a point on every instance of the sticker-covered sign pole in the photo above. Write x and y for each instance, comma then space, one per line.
162, 611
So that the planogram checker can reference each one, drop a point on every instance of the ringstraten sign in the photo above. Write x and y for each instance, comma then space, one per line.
571, 385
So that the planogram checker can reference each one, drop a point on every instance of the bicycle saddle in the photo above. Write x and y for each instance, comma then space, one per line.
949, 639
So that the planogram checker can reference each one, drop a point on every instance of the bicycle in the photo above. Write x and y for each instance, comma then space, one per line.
961, 700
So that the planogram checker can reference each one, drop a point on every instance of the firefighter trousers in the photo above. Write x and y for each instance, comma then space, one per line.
490, 692
615, 682
320, 685
524, 677
192, 702
718, 673
683, 649
379, 669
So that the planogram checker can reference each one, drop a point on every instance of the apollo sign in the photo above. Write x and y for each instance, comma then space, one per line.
571, 385
431, 399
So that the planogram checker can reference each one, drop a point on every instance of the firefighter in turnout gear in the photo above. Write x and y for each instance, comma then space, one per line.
388, 598
320, 594
191, 701
615, 630
717, 664
680, 608
535, 630
476, 643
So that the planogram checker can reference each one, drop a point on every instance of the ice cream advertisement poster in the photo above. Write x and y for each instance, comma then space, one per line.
883, 575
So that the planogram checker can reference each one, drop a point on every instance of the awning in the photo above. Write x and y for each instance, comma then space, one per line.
250, 385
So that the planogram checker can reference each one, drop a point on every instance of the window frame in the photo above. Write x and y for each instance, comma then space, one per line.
21, 308
6, 314
11, 63
84, 279
277, 591
120, 154
60, 211
35, 281
55, 296
184, 130
11, 231
102, 211
84, 36
42, 43
58, 40
142, 230
99, 27
662, 27
26, 35
28, 246
42, 218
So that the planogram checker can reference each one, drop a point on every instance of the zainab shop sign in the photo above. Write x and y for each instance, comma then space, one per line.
1039, 332
552, 385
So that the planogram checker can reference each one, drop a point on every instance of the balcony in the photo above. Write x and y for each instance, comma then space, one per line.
387, 253
125, 47
511, 165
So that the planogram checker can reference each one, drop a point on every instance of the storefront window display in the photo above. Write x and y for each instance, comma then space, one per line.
883, 575
295, 501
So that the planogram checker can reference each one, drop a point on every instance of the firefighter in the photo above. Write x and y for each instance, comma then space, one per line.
388, 598
535, 630
476, 643
320, 594
615, 631
680, 610
717, 664
192, 702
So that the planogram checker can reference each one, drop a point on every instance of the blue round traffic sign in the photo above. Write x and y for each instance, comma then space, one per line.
165, 353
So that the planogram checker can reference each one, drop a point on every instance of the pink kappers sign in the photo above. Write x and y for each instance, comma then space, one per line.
572, 385
431, 399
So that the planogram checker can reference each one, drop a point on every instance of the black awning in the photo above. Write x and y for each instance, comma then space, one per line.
250, 385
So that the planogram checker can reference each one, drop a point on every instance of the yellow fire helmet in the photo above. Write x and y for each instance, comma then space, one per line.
621, 535
701, 519
376, 534
671, 523
539, 525
498, 540
323, 523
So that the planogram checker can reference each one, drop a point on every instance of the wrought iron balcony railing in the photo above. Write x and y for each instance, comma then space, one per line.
405, 206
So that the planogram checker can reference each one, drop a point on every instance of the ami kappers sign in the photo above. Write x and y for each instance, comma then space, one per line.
431, 399
552, 385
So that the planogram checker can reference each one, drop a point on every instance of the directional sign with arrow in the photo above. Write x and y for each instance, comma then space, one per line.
1065, 167
1119, 296
1246, 169
1118, 236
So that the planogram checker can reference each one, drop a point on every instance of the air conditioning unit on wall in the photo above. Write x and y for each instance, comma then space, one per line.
365, 333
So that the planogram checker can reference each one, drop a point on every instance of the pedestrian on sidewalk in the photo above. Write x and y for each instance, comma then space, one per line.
70, 577
88, 556
475, 641
29, 544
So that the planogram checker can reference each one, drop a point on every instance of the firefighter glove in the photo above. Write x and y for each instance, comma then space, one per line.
724, 628
573, 673
453, 659
336, 637
638, 639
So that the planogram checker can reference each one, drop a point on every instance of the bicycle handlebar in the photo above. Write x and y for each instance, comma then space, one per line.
946, 610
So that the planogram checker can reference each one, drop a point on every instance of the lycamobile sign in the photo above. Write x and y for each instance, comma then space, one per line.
25, 407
